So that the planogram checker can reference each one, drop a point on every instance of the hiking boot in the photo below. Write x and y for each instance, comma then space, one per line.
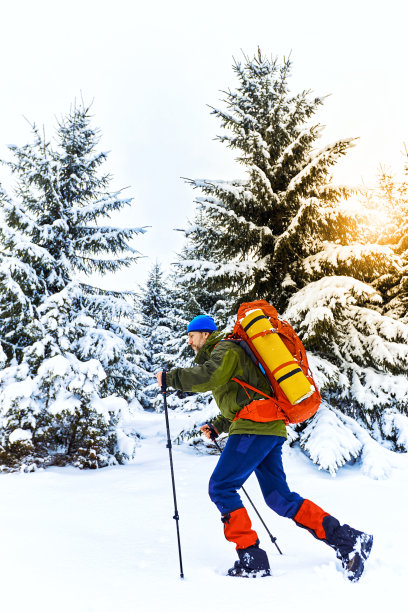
253, 563
242, 572
353, 562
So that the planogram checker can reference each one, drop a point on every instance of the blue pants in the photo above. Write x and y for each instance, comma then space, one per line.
247, 453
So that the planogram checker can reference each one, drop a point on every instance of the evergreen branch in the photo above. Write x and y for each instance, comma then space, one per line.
215, 205
106, 292
318, 165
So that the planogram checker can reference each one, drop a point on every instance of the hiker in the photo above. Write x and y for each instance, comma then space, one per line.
253, 447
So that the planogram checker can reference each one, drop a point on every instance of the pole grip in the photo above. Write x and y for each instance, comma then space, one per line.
164, 382
213, 433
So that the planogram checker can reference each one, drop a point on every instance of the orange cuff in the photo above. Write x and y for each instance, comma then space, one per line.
238, 528
311, 516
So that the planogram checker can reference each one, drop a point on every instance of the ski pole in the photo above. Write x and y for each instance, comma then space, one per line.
176, 514
213, 436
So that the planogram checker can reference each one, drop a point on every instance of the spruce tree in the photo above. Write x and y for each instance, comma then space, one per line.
388, 205
251, 235
67, 342
153, 327
198, 406
162, 315
286, 234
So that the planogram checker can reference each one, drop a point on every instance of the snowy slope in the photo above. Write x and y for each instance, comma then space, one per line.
93, 541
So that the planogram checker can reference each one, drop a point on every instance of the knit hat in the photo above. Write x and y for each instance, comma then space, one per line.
202, 323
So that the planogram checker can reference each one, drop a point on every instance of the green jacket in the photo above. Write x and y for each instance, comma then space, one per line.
219, 362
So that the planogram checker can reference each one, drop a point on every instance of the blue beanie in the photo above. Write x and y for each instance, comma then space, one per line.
202, 323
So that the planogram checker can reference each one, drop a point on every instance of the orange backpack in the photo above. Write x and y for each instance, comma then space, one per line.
276, 407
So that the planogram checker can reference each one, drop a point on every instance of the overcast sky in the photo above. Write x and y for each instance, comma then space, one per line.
152, 67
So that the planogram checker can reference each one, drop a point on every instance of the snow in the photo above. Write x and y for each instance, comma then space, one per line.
328, 441
215, 205
397, 422
380, 257
20, 435
319, 160
103, 540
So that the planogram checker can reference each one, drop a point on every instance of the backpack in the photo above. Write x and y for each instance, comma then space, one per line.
275, 348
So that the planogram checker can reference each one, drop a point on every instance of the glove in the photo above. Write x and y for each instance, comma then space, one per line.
209, 431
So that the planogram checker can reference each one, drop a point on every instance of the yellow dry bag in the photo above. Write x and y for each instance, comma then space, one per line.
273, 352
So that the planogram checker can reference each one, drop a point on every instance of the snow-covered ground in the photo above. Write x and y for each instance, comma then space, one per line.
93, 541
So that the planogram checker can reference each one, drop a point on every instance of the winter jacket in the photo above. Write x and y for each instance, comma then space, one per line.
219, 362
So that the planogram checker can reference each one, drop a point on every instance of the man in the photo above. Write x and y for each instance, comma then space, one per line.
254, 447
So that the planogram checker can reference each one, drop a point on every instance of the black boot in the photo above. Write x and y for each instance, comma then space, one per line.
353, 561
352, 546
253, 562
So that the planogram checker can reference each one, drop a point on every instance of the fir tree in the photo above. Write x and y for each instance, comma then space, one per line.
252, 235
388, 207
67, 342
198, 406
359, 357
286, 234
154, 328
162, 317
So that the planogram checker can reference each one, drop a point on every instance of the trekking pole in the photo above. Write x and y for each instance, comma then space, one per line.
213, 438
176, 514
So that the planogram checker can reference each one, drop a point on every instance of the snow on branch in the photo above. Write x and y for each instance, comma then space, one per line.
236, 188
377, 461
395, 425
102, 239
319, 163
303, 138
304, 212
328, 441
380, 258
87, 212
213, 204
339, 314
265, 181
197, 268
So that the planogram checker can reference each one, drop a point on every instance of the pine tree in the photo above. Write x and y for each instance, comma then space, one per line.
288, 235
162, 317
154, 328
359, 357
67, 343
252, 235
388, 205
198, 296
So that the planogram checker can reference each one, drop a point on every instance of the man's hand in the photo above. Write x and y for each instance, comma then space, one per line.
159, 378
209, 431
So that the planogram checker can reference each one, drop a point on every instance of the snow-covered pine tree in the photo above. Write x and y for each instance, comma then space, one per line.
286, 234
67, 343
198, 297
388, 204
197, 407
160, 321
154, 328
251, 234
359, 357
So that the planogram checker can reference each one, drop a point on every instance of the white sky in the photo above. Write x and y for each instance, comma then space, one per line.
152, 67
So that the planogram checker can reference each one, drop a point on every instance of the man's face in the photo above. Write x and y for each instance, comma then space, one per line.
197, 339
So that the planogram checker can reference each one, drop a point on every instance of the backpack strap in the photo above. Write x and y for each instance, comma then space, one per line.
263, 333
247, 386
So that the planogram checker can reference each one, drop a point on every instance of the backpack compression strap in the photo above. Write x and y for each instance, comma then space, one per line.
262, 411
245, 386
